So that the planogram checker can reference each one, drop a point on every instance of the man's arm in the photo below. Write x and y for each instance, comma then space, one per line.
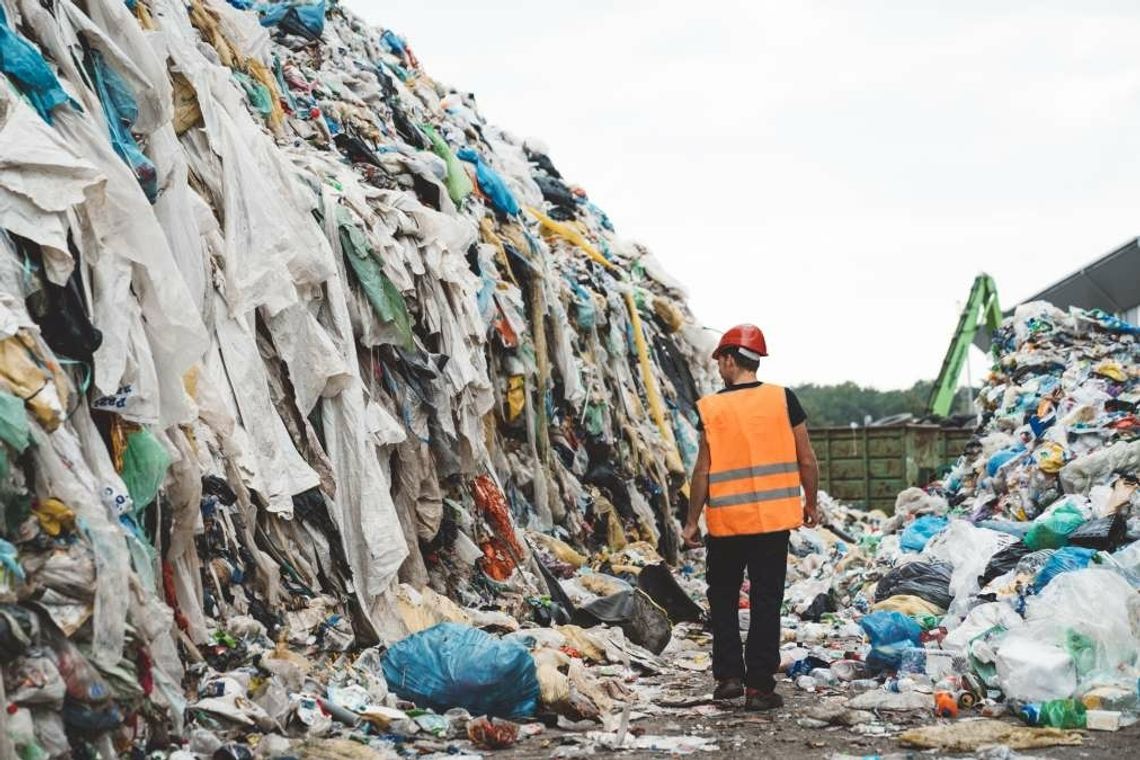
698, 494
809, 473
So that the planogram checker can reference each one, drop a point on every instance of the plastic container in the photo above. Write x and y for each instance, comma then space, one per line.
945, 704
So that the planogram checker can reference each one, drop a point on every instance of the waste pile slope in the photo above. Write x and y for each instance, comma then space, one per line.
1010, 587
286, 323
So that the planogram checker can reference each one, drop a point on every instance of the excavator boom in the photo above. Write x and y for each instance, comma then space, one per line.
982, 304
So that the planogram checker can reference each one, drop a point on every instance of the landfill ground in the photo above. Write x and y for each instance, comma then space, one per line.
777, 733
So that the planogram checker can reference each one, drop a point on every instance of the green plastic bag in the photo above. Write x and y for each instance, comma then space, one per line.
144, 467
382, 294
1052, 531
1062, 713
13, 422
458, 183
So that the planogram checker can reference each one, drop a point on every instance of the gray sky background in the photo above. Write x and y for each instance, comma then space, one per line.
837, 172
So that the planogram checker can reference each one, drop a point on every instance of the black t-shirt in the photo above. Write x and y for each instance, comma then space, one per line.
796, 413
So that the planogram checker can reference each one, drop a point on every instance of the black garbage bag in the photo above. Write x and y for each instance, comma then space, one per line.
822, 604
1004, 561
658, 583
926, 580
1104, 533
59, 310
643, 622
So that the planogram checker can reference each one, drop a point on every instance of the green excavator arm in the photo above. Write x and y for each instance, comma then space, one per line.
983, 304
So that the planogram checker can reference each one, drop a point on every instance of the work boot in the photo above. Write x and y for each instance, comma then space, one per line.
754, 699
728, 688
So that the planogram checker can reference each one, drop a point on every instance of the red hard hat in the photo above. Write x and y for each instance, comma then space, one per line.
748, 337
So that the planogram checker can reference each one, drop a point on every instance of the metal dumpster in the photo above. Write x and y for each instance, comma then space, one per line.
869, 466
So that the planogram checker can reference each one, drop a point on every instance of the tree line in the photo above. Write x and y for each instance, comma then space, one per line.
842, 404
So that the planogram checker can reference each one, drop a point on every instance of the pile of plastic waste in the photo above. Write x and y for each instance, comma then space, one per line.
301, 356
1009, 588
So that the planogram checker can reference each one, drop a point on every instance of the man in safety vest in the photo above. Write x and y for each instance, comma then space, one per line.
757, 472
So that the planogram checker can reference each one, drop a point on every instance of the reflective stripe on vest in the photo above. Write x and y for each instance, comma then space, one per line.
754, 481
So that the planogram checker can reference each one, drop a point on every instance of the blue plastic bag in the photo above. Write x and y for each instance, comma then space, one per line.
1003, 457
891, 634
122, 111
1063, 560
454, 665
491, 183
25, 66
920, 531
305, 18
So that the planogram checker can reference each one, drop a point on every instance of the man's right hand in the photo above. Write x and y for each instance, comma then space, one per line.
692, 536
811, 515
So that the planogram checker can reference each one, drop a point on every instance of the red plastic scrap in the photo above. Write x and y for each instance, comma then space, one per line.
492, 734
493, 505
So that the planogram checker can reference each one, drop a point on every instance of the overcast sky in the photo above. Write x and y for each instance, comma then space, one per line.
836, 172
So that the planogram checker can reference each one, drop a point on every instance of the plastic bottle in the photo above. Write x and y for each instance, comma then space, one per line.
824, 677
807, 683
864, 684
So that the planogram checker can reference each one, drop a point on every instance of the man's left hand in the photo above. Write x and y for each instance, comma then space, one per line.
811, 515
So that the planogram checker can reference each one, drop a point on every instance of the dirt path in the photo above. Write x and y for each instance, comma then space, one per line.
740, 734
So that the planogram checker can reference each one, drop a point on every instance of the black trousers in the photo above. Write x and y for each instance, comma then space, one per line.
766, 557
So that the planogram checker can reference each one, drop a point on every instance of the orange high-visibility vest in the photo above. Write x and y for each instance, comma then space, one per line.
754, 478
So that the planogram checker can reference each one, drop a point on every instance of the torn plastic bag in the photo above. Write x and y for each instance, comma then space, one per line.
25, 66
454, 665
659, 583
60, 311
642, 621
1064, 560
385, 299
928, 580
304, 18
1102, 533
145, 461
458, 183
491, 183
122, 111
13, 422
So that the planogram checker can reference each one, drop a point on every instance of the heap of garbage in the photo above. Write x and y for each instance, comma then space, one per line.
301, 356
1009, 587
